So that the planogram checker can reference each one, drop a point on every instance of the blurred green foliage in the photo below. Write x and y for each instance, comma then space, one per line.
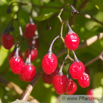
84, 27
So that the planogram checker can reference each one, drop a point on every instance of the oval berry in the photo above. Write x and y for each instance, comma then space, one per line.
84, 80
76, 69
70, 85
47, 78
29, 31
16, 64
34, 54
74, 89
60, 84
7, 40
13, 53
49, 63
71, 41
27, 73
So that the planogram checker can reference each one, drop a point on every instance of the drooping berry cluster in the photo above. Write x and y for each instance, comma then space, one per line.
26, 71
61, 83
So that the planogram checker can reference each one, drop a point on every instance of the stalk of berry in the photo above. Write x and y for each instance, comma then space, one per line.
16, 62
13, 53
49, 61
71, 39
60, 81
28, 71
77, 68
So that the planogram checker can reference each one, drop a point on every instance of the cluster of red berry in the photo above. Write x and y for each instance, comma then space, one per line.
25, 70
61, 83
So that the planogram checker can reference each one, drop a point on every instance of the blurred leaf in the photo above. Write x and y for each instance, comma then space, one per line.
21, 101
98, 85
98, 4
43, 16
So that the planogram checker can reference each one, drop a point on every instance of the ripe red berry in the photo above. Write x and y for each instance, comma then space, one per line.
49, 63
35, 43
13, 53
7, 40
16, 64
90, 93
74, 89
47, 78
84, 80
29, 31
27, 73
76, 69
71, 41
70, 85
60, 84
34, 54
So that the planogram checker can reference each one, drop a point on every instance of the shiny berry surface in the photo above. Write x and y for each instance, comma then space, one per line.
90, 93
13, 53
7, 40
34, 54
16, 64
74, 89
84, 80
34, 43
47, 78
60, 84
28, 72
29, 31
71, 41
76, 69
70, 85
49, 63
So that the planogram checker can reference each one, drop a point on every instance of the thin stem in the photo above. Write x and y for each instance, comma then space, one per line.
50, 49
100, 56
74, 11
17, 52
61, 68
75, 57
69, 28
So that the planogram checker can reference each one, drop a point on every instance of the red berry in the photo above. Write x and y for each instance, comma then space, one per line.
29, 31
34, 54
7, 40
71, 41
76, 69
13, 53
28, 72
84, 80
70, 85
49, 63
60, 84
16, 64
74, 89
90, 94
47, 78
35, 43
